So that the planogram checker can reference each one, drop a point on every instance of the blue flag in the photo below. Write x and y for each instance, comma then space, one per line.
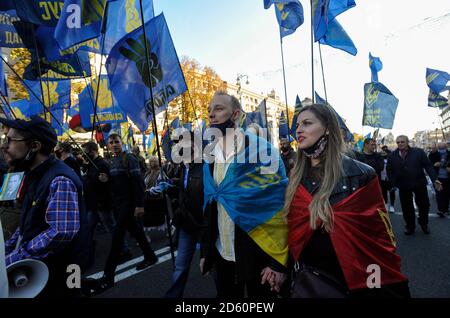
56, 95
327, 29
298, 107
283, 129
8, 34
38, 11
289, 14
437, 100
107, 110
128, 72
375, 65
74, 110
124, 16
380, 106
437, 80
81, 20
73, 67
258, 116
51, 50
348, 136
3, 90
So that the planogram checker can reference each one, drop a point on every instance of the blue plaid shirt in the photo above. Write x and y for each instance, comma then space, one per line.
63, 218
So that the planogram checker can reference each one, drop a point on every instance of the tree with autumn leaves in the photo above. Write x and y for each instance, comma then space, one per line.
202, 82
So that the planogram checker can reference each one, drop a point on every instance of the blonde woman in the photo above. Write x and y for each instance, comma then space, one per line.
340, 235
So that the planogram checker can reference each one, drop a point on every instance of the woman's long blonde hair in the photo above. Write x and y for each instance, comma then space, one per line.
330, 169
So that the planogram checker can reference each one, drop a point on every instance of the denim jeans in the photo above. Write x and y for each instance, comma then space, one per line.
186, 249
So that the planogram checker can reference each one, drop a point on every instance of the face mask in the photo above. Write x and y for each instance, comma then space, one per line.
223, 126
24, 163
58, 153
317, 149
442, 151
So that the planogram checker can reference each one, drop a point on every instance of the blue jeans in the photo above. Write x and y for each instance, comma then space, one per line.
186, 249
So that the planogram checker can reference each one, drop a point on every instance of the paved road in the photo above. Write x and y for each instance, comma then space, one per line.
425, 260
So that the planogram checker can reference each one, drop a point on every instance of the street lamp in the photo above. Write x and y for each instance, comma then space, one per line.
239, 86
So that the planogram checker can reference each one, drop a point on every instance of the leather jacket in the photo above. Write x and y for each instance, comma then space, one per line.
355, 175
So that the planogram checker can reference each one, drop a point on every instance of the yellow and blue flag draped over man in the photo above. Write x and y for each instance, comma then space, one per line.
81, 20
128, 72
437, 80
289, 14
283, 128
348, 136
298, 107
8, 33
253, 200
108, 111
375, 65
380, 106
327, 29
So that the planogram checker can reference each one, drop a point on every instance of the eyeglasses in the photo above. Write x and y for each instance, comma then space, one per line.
6, 140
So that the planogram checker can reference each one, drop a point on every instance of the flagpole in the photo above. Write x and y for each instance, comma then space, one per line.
87, 84
284, 79
323, 74
269, 137
155, 129
312, 55
39, 68
48, 110
103, 32
5, 101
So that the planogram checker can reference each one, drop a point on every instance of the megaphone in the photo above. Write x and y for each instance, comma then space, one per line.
27, 278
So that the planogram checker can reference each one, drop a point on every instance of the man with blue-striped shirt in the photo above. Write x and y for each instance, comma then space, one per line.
51, 197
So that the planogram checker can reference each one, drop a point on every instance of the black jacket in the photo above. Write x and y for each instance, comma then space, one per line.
250, 258
97, 193
436, 157
189, 215
408, 173
374, 160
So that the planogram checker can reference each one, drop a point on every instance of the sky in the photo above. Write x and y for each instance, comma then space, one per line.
241, 37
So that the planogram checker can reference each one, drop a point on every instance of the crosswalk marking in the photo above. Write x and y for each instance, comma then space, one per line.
135, 261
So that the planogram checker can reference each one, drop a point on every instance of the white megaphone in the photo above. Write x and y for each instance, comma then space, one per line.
27, 278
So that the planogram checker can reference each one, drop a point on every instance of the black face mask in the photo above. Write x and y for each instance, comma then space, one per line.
223, 126
24, 163
317, 149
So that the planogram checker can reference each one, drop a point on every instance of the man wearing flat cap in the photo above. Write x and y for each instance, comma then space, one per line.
51, 196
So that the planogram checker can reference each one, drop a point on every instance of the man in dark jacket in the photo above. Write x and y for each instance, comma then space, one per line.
51, 195
405, 171
97, 193
441, 163
127, 191
371, 157
64, 152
